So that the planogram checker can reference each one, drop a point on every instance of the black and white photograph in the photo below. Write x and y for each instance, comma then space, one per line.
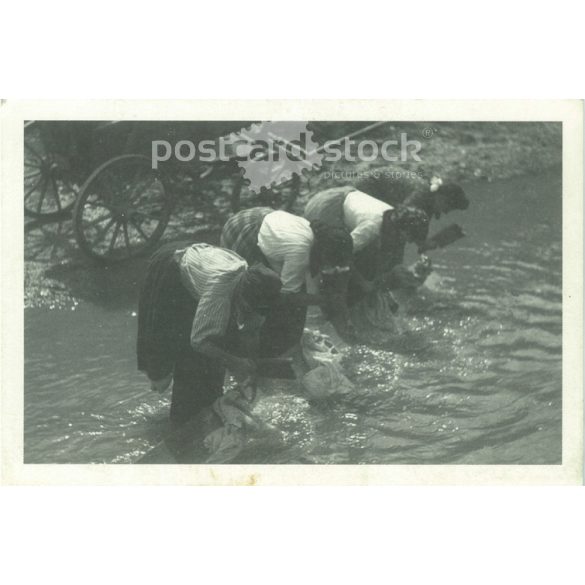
293, 292
283, 293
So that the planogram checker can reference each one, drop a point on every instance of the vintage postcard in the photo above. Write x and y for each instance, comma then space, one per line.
292, 292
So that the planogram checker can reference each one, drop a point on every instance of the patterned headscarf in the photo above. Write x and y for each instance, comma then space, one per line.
411, 220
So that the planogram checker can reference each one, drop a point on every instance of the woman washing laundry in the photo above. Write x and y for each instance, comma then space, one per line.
434, 197
312, 260
200, 313
379, 233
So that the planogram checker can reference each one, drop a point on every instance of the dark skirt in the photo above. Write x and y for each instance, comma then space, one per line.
165, 315
282, 330
327, 206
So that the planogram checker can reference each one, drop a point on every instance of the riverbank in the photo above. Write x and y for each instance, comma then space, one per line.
57, 275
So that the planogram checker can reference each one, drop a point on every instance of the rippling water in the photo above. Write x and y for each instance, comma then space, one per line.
486, 388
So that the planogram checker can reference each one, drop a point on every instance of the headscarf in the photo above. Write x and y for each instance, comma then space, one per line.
259, 286
454, 194
411, 220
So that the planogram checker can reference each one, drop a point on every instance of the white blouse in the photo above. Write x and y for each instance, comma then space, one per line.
362, 215
286, 241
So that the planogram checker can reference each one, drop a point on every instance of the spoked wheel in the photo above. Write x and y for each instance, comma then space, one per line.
48, 192
48, 241
122, 209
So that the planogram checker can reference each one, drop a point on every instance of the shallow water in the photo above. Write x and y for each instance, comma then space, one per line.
486, 388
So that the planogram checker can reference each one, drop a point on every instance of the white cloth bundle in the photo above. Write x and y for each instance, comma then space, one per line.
318, 349
325, 377
226, 442
373, 320
325, 381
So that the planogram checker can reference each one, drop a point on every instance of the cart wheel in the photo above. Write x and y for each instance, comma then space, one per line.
47, 190
122, 209
48, 241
